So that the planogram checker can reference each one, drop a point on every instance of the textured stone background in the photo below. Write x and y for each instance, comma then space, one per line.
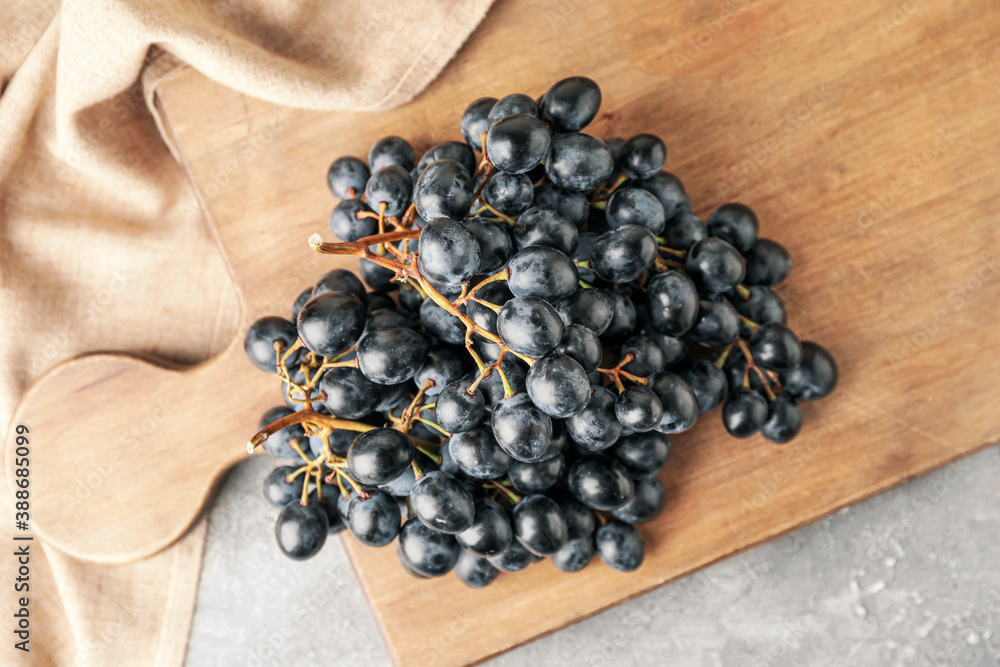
911, 577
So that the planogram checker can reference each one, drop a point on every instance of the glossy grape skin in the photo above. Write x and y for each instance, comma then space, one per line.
379, 278
596, 427
300, 301
442, 503
278, 490
459, 151
763, 306
374, 520
591, 308
542, 227
646, 503
511, 105
622, 254
511, 194
735, 224
349, 394
329, 506
387, 317
624, 320
680, 405
449, 252
429, 552
648, 356
478, 455
574, 556
443, 366
708, 383
492, 385
330, 323
490, 532
683, 231
379, 456
260, 338
635, 206
768, 263
514, 559
574, 205
517, 144
784, 420
582, 345
520, 428
391, 186
495, 244
443, 190
642, 156
441, 324
474, 121
620, 546
815, 376
457, 409
775, 347
390, 151
668, 190
347, 173
530, 326
537, 476
638, 409
577, 161
744, 413
715, 266
642, 454
342, 280
345, 223
403, 485
543, 272
392, 355
473, 571
301, 530
571, 104
279, 445
539, 525
717, 324
495, 293
580, 520
558, 386
600, 483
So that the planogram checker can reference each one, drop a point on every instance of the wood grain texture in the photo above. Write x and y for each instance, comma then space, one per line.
862, 134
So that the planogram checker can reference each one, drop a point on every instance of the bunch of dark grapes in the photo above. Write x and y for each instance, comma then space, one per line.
560, 312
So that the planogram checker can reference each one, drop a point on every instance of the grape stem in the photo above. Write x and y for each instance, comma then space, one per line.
751, 364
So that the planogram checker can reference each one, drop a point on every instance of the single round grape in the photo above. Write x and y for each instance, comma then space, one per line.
429, 552
582, 345
577, 161
449, 252
574, 205
301, 530
384, 318
815, 376
511, 105
580, 520
648, 356
457, 409
736, 224
707, 382
443, 366
379, 278
592, 308
775, 347
620, 546
392, 186
539, 525
300, 301
342, 280
379, 456
392, 355
443, 190
600, 483
744, 413
638, 409
490, 532
407, 565
574, 556
280, 444
635, 206
717, 324
473, 571
374, 520
520, 428
459, 151
714, 265
536, 476
349, 394
329, 506
642, 156
542, 227
511, 194
442, 503
642, 454
441, 324
768, 263
763, 306
784, 420
683, 231
330, 323
624, 253
278, 490
680, 405
646, 504
669, 190
596, 427
391, 151
558, 386
345, 223
571, 104
474, 121
623, 321
543, 272
261, 337
492, 385
517, 143
530, 326
514, 559
347, 177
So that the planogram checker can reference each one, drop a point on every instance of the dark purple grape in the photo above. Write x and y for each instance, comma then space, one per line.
391, 186
459, 151
638, 409
345, 175
261, 337
391, 151
623, 254
648, 356
683, 231
574, 556
536, 476
635, 206
583, 345
707, 382
379, 278
391, 355
580, 520
458, 410
442, 503
492, 385
518, 143
784, 420
539, 525
441, 324
669, 190
596, 427
490, 532
642, 156
388, 317
379, 456
444, 190
342, 280
624, 320
680, 405
301, 530
736, 224
592, 308
578, 161
508, 193
429, 552
574, 205
717, 324
521, 429
672, 299
642, 454
478, 455
514, 559
543, 272
815, 376
300, 301
449, 252
374, 520
543, 227
646, 503
775, 347
443, 366
744, 413
330, 323
473, 571
511, 105
763, 306
620, 546
715, 266
600, 483
530, 326
349, 394
347, 226
403, 485
278, 490
571, 104
474, 121
768, 263
558, 386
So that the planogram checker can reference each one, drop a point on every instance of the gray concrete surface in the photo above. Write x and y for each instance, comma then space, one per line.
909, 578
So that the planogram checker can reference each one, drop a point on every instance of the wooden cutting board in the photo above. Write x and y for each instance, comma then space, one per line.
865, 138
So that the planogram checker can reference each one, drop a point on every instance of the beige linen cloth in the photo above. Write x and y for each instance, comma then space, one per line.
99, 250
